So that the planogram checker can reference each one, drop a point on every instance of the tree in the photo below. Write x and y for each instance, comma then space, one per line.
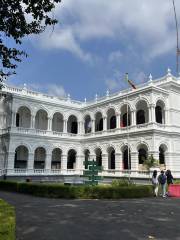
20, 18
150, 162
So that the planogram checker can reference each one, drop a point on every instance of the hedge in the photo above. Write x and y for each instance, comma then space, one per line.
7, 221
83, 191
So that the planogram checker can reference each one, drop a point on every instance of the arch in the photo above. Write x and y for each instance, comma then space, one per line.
56, 158
86, 157
57, 122
111, 118
98, 122
142, 153
126, 160
21, 157
125, 118
23, 117
142, 113
72, 124
71, 159
98, 153
39, 158
111, 158
87, 124
41, 120
162, 154
160, 112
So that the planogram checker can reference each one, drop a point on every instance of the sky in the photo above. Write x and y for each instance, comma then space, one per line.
95, 43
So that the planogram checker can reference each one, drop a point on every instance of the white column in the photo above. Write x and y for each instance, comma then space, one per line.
166, 116
64, 162
10, 162
82, 127
49, 124
153, 118
65, 126
31, 161
79, 162
118, 161
48, 161
118, 120
105, 161
134, 161
13, 119
32, 121
133, 117
105, 123
93, 125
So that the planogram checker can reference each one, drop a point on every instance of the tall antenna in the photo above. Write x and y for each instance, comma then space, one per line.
177, 38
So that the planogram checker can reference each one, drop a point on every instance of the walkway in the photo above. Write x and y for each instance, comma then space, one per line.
56, 219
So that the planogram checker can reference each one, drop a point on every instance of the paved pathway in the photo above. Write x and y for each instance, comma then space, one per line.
57, 219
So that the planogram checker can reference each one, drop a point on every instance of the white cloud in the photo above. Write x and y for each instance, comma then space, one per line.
115, 56
56, 90
147, 24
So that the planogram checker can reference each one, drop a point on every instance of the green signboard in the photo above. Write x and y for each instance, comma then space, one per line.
91, 172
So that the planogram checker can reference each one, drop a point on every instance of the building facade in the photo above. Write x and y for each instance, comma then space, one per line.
46, 135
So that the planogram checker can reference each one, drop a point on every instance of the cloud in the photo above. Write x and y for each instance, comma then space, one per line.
115, 56
148, 25
56, 90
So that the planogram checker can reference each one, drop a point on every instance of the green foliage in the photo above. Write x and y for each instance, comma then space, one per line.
125, 181
21, 18
114, 191
7, 221
150, 162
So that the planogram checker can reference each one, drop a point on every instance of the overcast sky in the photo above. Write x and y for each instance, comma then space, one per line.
96, 42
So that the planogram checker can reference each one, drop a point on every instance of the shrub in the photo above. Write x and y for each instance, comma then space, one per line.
122, 182
117, 190
7, 221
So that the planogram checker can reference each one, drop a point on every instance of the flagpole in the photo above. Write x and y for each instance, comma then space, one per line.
128, 131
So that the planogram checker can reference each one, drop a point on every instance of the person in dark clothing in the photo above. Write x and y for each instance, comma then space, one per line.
169, 177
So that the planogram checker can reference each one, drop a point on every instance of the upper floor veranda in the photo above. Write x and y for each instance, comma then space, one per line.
147, 107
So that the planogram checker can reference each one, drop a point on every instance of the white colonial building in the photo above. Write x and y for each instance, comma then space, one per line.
46, 135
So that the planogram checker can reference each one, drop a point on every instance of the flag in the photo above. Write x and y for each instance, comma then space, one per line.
130, 82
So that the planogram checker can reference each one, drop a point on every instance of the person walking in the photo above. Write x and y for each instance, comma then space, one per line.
162, 181
155, 183
169, 177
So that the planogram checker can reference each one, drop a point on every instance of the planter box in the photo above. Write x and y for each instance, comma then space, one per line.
174, 190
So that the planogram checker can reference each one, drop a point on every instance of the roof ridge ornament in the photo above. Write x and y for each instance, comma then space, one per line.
169, 72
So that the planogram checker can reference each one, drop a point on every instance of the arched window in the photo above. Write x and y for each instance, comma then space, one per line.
41, 120
98, 122
111, 158
142, 155
72, 126
140, 117
86, 158
111, 119
161, 155
125, 118
39, 158
23, 117
57, 122
126, 159
158, 112
71, 161
21, 157
56, 159
87, 124
99, 157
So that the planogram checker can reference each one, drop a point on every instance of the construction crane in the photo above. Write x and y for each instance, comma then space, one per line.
177, 39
